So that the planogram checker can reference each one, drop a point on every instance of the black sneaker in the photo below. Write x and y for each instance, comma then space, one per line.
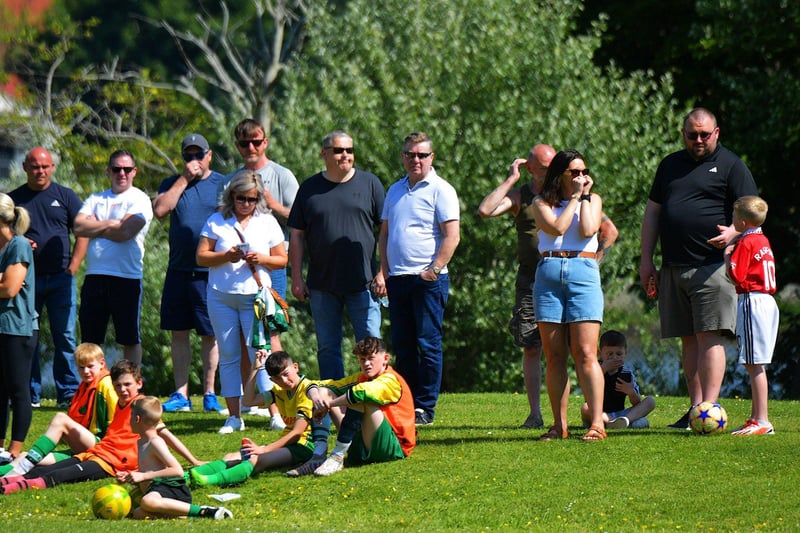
423, 418
682, 422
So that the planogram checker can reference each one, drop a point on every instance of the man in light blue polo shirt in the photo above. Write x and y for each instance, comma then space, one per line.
419, 234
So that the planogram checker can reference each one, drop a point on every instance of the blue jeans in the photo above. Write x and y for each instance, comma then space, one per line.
57, 292
326, 308
416, 311
278, 278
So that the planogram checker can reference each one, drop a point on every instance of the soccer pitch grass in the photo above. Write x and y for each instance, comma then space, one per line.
475, 470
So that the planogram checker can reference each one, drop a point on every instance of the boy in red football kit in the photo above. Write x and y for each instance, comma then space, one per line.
379, 422
90, 413
751, 267
117, 451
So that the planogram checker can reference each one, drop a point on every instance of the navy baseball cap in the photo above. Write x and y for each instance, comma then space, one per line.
194, 139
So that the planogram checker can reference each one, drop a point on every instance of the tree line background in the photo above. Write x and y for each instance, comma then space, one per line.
487, 80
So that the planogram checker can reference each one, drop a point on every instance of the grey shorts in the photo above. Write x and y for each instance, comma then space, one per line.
696, 299
523, 326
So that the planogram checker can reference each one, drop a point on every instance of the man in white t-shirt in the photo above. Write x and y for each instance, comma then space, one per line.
116, 222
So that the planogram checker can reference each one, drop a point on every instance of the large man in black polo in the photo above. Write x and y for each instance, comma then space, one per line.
690, 208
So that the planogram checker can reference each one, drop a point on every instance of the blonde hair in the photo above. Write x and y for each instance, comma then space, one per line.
241, 182
17, 218
752, 209
148, 409
88, 352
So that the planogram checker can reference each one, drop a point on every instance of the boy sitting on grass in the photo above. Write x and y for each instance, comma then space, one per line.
160, 476
84, 424
619, 385
378, 424
114, 453
294, 445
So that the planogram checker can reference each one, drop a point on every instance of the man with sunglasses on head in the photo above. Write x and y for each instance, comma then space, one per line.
689, 210
116, 222
280, 184
53, 208
189, 198
419, 234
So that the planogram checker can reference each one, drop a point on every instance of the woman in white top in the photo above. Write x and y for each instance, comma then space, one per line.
240, 244
568, 298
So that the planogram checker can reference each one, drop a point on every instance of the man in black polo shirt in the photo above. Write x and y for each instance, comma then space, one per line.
689, 209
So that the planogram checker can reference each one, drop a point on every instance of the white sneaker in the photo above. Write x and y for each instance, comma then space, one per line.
5, 457
233, 423
332, 464
276, 423
222, 513
618, 423
23, 467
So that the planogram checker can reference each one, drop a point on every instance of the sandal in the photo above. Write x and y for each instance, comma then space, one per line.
594, 433
554, 433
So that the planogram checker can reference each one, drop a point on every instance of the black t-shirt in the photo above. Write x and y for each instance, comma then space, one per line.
695, 197
339, 221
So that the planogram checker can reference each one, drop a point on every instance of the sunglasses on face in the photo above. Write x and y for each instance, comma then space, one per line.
195, 156
244, 143
341, 150
118, 170
578, 171
693, 135
246, 199
420, 155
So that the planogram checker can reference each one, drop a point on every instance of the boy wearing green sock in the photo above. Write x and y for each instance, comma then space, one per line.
90, 412
160, 476
379, 421
294, 445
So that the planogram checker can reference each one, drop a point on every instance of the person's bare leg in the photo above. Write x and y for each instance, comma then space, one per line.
554, 344
583, 344
532, 374
133, 353
710, 364
181, 360
209, 352
760, 389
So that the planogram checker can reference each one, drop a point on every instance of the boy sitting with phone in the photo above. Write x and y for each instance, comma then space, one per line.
619, 385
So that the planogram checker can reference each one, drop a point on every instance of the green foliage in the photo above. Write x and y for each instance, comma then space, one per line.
486, 86
474, 470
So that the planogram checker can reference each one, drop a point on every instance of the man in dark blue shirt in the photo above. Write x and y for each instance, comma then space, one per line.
53, 208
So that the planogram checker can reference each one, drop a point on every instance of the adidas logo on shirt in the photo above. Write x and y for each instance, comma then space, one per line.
713, 169
55, 204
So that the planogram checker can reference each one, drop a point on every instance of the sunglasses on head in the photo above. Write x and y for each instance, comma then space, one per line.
127, 170
195, 156
244, 143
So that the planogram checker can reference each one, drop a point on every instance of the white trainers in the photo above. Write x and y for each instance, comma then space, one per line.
233, 423
621, 422
308, 467
332, 464
222, 513
276, 423
5, 457
754, 427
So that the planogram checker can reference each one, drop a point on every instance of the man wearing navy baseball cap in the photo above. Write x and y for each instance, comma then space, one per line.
189, 198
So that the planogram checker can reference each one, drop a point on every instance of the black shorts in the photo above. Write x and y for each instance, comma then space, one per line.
173, 490
183, 302
104, 297
523, 326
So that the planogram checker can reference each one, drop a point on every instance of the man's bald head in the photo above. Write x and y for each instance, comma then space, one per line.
539, 159
38, 166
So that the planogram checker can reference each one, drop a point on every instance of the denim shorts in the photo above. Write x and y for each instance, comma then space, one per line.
568, 290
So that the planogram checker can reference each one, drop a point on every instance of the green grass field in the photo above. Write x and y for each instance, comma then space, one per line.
475, 471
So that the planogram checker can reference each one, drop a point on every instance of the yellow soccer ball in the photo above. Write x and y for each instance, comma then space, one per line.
111, 502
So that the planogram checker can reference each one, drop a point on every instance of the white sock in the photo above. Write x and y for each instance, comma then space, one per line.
341, 448
23, 467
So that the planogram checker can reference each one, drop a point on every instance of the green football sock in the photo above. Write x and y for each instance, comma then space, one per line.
40, 449
5, 469
232, 476
211, 468
194, 510
60, 456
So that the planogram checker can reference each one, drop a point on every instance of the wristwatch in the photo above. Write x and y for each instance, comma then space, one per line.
587, 197
436, 270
